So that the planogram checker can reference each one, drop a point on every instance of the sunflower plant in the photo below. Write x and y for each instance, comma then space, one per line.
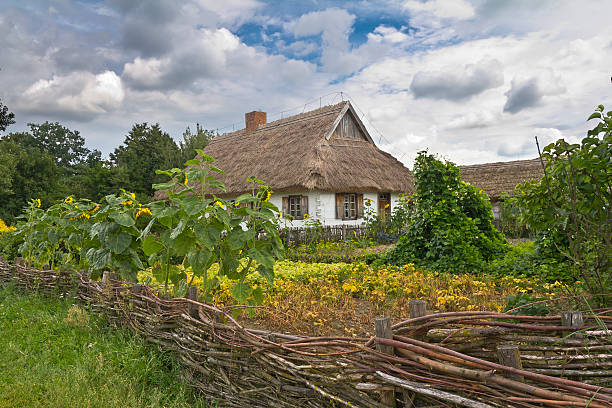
112, 242
199, 229
82, 234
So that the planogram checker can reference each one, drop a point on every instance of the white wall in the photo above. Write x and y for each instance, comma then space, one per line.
322, 205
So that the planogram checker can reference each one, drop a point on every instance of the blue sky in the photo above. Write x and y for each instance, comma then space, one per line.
472, 80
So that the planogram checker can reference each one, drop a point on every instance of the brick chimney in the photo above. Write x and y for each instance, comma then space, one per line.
254, 120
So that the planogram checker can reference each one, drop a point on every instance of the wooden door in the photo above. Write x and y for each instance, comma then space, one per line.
384, 204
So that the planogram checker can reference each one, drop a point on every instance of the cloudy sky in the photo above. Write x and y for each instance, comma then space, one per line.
472, 80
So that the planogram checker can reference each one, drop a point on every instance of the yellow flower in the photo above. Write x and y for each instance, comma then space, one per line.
268, 194
132, 195
96, 208
305, 216
143, 211
219, 203
128, 202
186, 179
387, 206
68, 200
38, 203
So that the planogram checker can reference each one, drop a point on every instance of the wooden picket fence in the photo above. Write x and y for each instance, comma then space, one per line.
467, 359
325, 233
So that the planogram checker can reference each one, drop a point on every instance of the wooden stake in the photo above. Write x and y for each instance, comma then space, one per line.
107, 277
572, 318
383, 330
418, 308
509, 355
194, 310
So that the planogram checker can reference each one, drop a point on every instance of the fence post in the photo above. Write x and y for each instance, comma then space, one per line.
107, 276
344, 234
418, 308
383, 330
509, 355
572, 318
107, 284
194, 310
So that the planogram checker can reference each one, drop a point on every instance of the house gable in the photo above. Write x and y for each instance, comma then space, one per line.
348, 126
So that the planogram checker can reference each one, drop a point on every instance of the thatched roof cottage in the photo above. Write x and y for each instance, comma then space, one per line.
501, 177
322, 163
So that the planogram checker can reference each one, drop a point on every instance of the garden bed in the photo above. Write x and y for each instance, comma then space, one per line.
339, 299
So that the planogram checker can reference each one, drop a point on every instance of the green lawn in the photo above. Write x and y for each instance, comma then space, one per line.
55, 354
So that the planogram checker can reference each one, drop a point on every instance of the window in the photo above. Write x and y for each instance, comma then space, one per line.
350, 207
295, 206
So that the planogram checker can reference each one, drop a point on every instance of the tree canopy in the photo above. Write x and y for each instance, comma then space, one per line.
571, 206
192, 141
145, 149
6, 118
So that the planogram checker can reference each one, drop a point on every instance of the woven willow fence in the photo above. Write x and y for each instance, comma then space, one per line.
441, 360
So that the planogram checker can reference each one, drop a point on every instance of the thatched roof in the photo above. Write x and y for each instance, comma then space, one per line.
300, 153
501, 177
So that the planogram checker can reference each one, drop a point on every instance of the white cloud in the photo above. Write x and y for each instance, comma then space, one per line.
79, 95
528, 92
334, 25
459, 9
230, 11
205, 55
456, 82
390, 34
473, 120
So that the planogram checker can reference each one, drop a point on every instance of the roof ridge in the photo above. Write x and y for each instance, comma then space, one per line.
313, 114
502, 163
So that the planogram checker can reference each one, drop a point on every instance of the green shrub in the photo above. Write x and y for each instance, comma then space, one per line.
525, 261
9, 245
332, 252
451, 228
388, 228
523, 299
510, 222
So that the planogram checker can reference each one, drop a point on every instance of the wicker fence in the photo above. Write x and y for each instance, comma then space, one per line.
439, 360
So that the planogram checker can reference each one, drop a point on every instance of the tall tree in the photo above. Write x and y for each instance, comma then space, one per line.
34, 175
6, 118
192, 141
145, 149
65, 145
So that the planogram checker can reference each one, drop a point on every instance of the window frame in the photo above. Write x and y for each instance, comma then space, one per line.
295, 201
349, 208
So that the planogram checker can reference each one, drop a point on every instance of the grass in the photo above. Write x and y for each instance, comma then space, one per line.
56, 354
